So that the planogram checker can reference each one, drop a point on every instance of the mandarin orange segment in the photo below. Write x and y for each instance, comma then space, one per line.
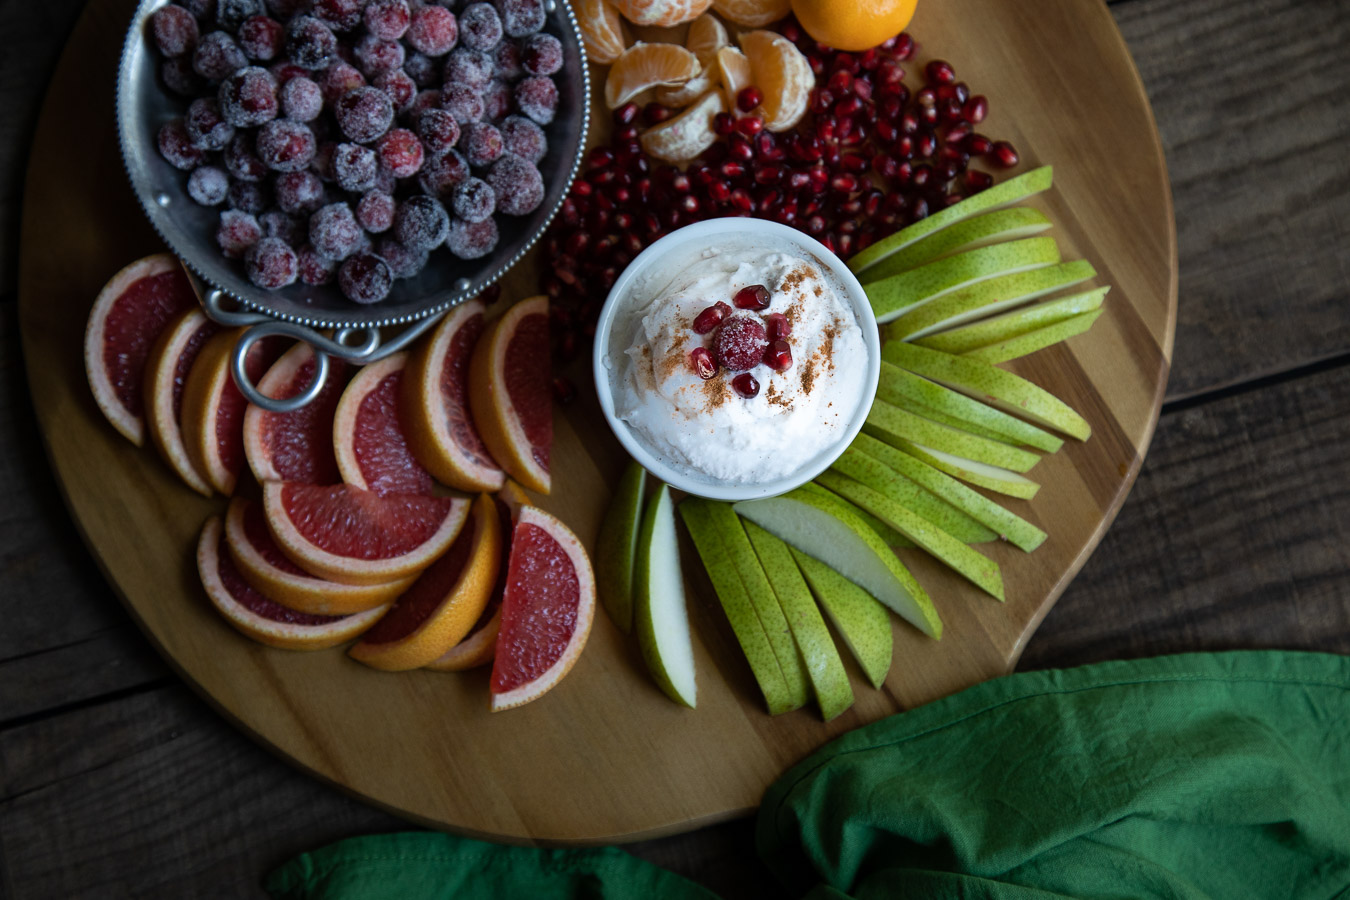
687, 135
754, 13
644, 66
602, 29
782, 74
662, 13
706, 36
734, 74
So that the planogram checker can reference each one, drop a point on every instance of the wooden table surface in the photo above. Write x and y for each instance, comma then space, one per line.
115, 780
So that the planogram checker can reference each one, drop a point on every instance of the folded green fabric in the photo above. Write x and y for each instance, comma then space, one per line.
1202, 776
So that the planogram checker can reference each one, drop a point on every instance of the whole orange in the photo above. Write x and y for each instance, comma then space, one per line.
853, 24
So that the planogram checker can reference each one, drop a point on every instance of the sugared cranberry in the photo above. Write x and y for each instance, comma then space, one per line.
276, 224
175, 145
376, 56
175, 30
301, 100
388, 20
480, 28
285, 146
237, 232
299, 192
472, 240
339, 79
270, 263
711, 317
422, 69
400, 153
537, 97
481, 144
207, 185
310, 43
421, 223
470, 68
217, 56
365, 278
261, 38
524, 138
701, 361
314, 268
401, 89
248, 98
432, 30
518, 184
463, 103
249, 196
355, 167
520, 18
375, 211
473, 200
339, 15
739, 343
180, 78
746, 385
440, 175
438, 131
403, 263
755, 296
541, 55
334, 232
205, 126
365, 113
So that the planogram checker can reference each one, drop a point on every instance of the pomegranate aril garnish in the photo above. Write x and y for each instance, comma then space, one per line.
749, 126
779, 328
745, 385
711, 317
977, 181
626, 114
1005, 154
702, 363
656, 113
779, 356
904, 48
940, 72
755, 297
748, 98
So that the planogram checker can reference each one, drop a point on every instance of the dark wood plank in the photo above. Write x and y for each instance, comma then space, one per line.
1237, 536
1252, 105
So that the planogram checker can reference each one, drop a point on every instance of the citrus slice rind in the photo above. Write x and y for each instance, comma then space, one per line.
644, 66
782, 74
166, 372
369, 441
687, 135
510, 394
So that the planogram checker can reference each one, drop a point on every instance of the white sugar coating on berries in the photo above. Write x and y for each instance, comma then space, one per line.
420, 223
521, 18
385, 181
524, 138
276, 224
482, 144
422, 69
469, 68
398, 86
261, 38
285, 146
298, 193
400, 153
338, 79
175, 30
354, 167
230, 14
248, 98
480, 28
518, 185
472, 240
387, 19
537, 97
339, 15
364, 114
249, 196
200, 9
542, 54
739, 343
180, 78
205, 126
365, 278
506, 60
403, 263
241, 161
440, 174
428, 99
334, 232
217, 56
176, 146
237, 232
314, 268
376, 55
462, 102
207, 185
438, 131
474, 200
322, 163
498, 100
310, 44
301, 99
375, 212
270, 263
433, 30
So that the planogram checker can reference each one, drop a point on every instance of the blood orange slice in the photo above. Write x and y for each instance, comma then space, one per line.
368, 438
546, 611
269, 571
259, 617
352, 536
166, 373
128, 315
435, 404
213, 407
295, 446
444, 603
510, 392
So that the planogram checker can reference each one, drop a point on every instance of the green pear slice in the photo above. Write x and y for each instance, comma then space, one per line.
991, 384
995, 479
985, 298
1009, 526
861, 621
913, 497
829, 681
889, 536
735, 601
817, 524
1012, 324
1029, 343
894, 421
897, 385
893, 297
616, 548
927, 412
978, 231
1009, 192
976, 568
660, 614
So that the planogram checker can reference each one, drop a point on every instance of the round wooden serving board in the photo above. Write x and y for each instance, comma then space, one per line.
605, 756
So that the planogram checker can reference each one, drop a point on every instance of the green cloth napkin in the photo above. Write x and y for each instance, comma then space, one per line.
1201, 776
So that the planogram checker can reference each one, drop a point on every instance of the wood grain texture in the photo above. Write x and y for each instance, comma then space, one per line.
606, 756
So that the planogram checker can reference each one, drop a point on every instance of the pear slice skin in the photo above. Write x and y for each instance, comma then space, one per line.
812, 520
1032, 341
969, 337
829, 681
977, 231
892, 420
993, 478
860, 619
1009, 192
1010, 526
915, 498
736, 604
617, 546
660, 613
991, 384
889, 536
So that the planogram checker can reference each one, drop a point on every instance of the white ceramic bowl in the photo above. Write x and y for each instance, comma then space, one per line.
705, 234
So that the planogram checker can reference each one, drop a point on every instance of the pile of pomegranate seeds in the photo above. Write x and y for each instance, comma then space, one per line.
318, 124
740, 342
870, 158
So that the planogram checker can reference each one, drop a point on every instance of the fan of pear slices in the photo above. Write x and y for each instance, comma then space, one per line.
955, 294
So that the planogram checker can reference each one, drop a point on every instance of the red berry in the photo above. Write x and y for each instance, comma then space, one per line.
746, 385
541, 55
261, 38
749, 98
365, 278
270, 263
779, 356
400, 153
365, 113
388, 20
740, 343
702, 363
175, 30
480, 28
711, 317
432, 30
756, 296
779, 327
176, 146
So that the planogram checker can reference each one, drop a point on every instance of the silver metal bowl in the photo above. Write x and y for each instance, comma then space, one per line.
362, 334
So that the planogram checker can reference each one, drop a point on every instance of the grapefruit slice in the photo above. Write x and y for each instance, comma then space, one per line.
443, 604
213, 407
128, 315
368, 438
295, 446
510, 392
351, 536
260, 618
546, 612
435, 404
166, 373
262, 564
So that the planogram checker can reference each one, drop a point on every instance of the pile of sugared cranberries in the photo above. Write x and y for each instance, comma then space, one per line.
349, 139
741, 341
868, 159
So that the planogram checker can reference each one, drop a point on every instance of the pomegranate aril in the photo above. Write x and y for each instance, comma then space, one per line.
939, 71
904, 48
844, 184
975, 109
978, 145
656, 113
749, 126
711, 317
1005, 154
745, 385
978, 181
777, 326
748, 98
779, 356
756, 296
702, 363
626, 114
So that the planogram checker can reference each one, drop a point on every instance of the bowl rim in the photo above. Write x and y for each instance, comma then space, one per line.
677, 478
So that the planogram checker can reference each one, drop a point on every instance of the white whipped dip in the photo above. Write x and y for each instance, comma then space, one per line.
705, 426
